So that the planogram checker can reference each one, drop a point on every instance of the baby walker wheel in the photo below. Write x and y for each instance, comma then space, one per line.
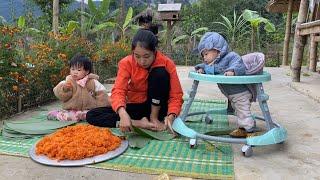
247, 150
193, 143
208, 119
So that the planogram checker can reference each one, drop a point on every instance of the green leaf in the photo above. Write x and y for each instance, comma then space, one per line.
3, 20
128, 18
199, 30
33, 30
137, 141
87, 15
135, 27
92, 7
249, 15
227, 22
21, 22
72, 25
179, 38
114, 13
163, 135
269, 27
103, 26
104, 7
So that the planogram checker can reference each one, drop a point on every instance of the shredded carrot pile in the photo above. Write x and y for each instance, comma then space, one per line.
77, 142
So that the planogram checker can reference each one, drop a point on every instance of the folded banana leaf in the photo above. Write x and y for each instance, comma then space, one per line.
137, 141
32, 127
36, 127
162, 135
16, 135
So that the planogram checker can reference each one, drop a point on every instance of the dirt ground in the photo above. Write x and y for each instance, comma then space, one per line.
293, 105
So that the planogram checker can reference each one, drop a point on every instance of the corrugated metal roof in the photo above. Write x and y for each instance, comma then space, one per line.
169, 7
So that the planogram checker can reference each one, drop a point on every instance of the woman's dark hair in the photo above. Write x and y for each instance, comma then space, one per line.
145, 39
154, 28
79, 60
144, 19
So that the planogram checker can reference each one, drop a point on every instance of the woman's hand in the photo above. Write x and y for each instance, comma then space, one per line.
168, 120
158, 126
125, 124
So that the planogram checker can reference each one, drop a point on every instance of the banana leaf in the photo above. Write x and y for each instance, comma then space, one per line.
163, 135
138, 141
15, 135
219, 132
34, 126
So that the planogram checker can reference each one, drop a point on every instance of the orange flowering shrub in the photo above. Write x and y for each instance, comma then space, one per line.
77, 142
30, 66
109, 56
113, 52
13, 74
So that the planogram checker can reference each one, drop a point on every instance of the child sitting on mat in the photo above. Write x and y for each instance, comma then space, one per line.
217, 59
80, 92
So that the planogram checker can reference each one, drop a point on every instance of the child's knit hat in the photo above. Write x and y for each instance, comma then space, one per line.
213, 40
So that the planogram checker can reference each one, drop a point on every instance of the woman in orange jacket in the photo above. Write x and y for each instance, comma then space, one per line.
147, 92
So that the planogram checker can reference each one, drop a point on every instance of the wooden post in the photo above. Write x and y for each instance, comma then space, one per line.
55, 17
313, 53
287, 35
314, 43
83, 33
299, 43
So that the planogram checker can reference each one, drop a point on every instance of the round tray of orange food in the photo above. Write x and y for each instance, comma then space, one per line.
77, 146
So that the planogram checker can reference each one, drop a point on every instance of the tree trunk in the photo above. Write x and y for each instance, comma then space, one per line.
299, 43
169, 29
287, 35
83, 33
55, 17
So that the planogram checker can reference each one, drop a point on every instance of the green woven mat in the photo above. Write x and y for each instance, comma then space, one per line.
172, 157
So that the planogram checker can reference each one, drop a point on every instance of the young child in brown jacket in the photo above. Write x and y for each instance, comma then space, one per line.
80, 92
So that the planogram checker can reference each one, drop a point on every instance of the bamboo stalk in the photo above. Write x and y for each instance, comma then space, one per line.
299, 43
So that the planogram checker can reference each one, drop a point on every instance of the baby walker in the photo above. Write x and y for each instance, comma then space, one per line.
275, 133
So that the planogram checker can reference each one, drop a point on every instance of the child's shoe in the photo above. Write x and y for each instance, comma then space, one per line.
244, 133
238, 133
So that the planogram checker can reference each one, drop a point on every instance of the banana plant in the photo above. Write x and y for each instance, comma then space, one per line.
69, 28
127, 23
190, 40
123, 27
255, 21
21, 23
98, 18
235, 29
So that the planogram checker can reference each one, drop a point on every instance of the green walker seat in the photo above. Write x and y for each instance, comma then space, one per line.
275, 133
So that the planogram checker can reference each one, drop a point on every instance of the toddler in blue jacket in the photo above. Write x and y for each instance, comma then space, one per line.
217, 59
